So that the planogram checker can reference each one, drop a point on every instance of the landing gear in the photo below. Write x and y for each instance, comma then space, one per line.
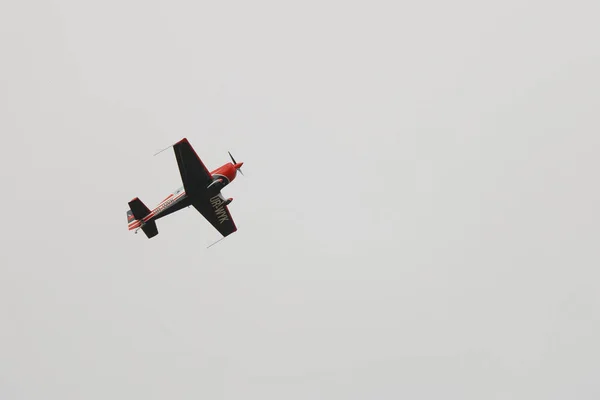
140, 227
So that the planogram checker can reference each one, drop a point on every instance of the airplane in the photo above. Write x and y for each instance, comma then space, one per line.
201, 189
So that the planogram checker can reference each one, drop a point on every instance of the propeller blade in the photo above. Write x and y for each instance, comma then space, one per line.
232, 159
235, 162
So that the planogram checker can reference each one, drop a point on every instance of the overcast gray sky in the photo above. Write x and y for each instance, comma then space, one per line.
419, 216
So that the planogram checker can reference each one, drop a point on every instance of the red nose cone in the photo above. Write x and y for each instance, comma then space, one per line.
238, 165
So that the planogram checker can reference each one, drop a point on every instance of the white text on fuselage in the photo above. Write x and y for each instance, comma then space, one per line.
217, 204
164, 206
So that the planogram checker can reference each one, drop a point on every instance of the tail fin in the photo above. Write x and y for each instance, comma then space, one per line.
132, 223
135, 216
130, 217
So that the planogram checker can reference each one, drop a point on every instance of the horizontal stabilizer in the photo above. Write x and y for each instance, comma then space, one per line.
138, 208
150, 229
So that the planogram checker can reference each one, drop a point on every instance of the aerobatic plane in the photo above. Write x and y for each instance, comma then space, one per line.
201, 189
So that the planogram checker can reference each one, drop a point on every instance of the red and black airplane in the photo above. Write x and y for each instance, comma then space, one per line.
201, 189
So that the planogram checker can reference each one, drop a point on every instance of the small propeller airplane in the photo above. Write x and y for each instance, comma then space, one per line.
201, 189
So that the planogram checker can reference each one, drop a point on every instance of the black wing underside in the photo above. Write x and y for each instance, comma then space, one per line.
194, 175
217, 214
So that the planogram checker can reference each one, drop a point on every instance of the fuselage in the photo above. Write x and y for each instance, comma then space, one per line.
178, 200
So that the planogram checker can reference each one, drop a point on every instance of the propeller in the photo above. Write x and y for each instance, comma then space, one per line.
237, 166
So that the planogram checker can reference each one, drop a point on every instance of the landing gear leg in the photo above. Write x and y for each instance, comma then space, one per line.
140, 227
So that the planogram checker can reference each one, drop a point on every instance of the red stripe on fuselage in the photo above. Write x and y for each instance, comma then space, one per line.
153, 213
168, 197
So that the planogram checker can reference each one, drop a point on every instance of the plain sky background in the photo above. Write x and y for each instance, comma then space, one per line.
418, 220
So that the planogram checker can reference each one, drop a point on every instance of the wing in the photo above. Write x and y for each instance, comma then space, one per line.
216, 213
194, 175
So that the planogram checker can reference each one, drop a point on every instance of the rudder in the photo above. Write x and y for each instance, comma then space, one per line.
130, 217
132, 223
